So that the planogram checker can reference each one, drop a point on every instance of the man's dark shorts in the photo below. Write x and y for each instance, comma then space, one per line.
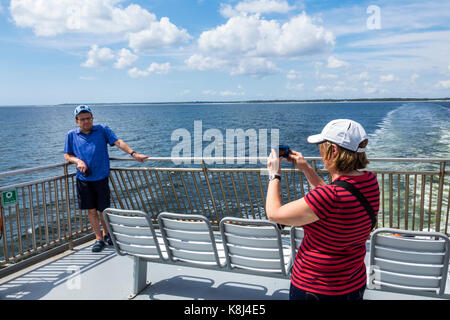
93, 194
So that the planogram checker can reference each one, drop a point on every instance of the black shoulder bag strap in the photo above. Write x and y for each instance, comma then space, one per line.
353, 190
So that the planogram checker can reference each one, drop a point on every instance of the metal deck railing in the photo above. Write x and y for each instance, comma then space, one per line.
43, 213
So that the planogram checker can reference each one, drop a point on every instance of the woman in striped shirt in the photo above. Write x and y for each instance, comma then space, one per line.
330, 261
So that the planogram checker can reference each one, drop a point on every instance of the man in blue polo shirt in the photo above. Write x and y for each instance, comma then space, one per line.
87, 147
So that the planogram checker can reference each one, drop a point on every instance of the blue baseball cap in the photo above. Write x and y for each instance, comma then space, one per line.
80, 109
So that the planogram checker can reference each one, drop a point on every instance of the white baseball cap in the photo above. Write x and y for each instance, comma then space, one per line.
346, 133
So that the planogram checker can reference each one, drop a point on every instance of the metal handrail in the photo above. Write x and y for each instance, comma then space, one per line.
206, 159
47, 215
30, 170
265, 158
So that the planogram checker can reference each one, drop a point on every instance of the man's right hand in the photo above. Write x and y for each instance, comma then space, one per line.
81, 166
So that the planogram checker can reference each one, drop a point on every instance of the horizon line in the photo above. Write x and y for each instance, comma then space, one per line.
236, 101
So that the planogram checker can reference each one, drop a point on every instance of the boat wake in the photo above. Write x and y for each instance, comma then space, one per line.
398, 134
413, 130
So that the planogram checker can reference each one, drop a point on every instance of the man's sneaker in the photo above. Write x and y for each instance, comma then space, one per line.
98, 246
108, 240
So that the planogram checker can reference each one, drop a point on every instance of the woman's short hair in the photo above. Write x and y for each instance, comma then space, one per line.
346, 160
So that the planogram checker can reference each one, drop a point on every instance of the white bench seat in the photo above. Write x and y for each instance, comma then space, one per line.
411, 263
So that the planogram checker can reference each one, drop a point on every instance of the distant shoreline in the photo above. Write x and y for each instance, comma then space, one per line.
267, 101
242, 102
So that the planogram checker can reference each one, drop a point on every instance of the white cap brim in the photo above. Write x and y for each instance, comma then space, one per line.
315, 139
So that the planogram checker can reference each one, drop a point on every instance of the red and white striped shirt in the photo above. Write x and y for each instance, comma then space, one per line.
330, 259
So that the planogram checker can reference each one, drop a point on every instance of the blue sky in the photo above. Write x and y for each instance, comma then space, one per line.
100, 51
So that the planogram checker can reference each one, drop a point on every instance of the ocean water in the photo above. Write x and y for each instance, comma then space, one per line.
33, 136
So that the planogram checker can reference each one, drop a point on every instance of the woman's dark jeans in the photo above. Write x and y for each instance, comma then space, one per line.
299, 294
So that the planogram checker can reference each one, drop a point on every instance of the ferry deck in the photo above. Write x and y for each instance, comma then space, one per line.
80, 274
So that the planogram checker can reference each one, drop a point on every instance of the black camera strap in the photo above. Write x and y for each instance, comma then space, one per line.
354, 191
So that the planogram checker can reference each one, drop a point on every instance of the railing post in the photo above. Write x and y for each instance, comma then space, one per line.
213, 199
440, 195
69, 219
3, 231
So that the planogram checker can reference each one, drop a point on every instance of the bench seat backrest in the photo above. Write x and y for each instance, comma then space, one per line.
296, 235
189, 238
252, 245
132, 233
409, 261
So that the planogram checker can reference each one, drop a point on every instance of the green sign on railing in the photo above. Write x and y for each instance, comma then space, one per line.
9, 198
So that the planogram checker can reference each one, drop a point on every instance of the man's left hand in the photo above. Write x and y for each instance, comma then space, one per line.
140, 157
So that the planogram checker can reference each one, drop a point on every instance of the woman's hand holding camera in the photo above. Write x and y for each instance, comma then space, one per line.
273, 163
297, 159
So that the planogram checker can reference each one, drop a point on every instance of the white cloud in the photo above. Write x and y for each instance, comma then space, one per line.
328, 76
158, 34
318, 65
157, 68
403, 39
227, 93
321, 88
201, 63
53, 17
87, 78
343, 88
100, 17
227, 11
388, 78
420, 15
98, 57
125, 59
246, 44
239, 35
444, 84
370, 90
255, 66
224, 93
295, 87
403, 51
364, 75
249, 44
101, 57
136, 73
292, 74
256, 6
414, 77
252, 35
333, 63
184, 92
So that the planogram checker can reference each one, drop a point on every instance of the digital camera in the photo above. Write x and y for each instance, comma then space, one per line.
283, 151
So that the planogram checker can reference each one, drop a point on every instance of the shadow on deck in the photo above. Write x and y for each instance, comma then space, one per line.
84, 275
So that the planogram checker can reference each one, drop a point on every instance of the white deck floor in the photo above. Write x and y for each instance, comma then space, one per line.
84, 275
